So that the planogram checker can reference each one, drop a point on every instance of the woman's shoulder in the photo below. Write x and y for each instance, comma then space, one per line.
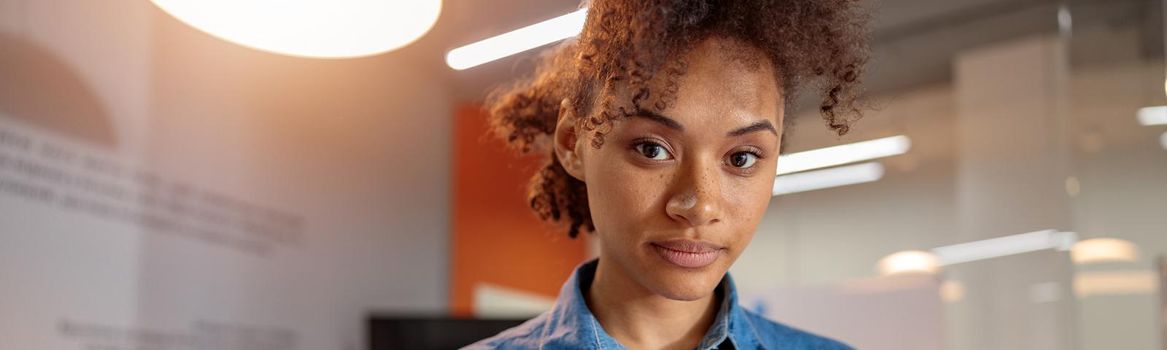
775, 335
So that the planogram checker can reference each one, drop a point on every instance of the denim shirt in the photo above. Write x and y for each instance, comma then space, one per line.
570, 325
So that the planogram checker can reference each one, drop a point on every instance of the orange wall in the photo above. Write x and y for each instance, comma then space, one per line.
495, 238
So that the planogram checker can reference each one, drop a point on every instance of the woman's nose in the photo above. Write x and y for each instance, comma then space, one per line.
695, 198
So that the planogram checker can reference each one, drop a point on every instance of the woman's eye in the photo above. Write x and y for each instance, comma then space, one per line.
653, 151
743, 159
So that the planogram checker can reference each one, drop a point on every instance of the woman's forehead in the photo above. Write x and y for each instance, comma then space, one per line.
727, 78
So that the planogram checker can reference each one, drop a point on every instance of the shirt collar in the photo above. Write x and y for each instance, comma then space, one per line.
570, 322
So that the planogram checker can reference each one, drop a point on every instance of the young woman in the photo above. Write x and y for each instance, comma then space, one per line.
662, 123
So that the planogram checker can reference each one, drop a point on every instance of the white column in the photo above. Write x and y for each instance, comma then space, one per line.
1011, 168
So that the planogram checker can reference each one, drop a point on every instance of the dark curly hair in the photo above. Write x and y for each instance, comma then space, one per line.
626, 44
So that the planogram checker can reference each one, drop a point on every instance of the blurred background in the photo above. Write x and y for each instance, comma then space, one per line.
316, 175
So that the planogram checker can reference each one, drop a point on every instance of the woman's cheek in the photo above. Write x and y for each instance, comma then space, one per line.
634, 201
615, 191
749, 199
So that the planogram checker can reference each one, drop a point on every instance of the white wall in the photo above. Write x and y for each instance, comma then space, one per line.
339, 167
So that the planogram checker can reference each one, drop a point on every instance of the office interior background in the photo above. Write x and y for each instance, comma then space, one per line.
179, 175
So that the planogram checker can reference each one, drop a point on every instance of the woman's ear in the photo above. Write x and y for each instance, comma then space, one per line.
567, 145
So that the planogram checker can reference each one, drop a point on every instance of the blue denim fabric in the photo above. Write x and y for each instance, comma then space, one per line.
570, 325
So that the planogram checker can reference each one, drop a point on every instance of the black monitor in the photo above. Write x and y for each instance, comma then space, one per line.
431, 333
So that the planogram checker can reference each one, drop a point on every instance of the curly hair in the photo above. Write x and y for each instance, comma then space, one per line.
626, 44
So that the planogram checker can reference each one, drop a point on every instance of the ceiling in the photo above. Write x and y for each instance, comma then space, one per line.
913, 40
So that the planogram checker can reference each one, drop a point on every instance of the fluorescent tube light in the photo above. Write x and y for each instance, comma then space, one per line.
1004, 246
517, 41
843, 154
1156, 115
826, 178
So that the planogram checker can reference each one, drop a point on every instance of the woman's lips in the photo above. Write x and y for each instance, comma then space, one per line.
687, 253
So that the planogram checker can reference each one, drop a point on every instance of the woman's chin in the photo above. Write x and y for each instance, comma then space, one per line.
685, 287
687, 295
678, 283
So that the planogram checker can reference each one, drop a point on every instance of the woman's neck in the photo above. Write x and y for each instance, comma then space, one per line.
641, 319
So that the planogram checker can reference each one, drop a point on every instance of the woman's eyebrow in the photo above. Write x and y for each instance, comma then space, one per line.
756, 126
673, 124
666, 121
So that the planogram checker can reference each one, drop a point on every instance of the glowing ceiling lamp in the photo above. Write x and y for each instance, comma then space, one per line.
951, 291
1122, 282
1099, 250
310, 28
909, 261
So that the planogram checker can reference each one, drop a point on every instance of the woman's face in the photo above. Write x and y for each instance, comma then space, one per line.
676, 194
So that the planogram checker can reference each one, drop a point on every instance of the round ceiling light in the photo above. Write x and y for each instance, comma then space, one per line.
1101, 250
310, 28
909, 261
